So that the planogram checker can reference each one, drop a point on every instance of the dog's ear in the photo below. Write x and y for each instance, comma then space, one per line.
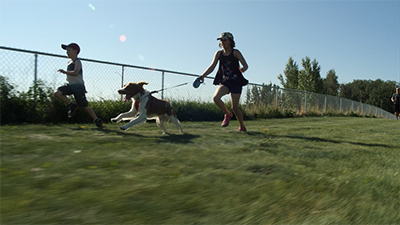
140, 85
127, 84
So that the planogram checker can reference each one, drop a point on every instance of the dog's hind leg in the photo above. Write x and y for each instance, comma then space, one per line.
160, 123
176, 122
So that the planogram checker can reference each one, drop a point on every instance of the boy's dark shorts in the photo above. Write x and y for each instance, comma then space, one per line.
78, 90
396, 108
233, 86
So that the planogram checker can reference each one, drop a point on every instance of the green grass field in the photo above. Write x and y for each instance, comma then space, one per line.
335, 170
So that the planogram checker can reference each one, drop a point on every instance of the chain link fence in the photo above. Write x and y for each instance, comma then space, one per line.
24, 68
305, 102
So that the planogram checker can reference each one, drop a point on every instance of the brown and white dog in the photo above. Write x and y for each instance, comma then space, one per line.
144, 107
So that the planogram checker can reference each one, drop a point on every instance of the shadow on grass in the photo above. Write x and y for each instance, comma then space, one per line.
171, 138
121, 132
317, 139
108, 131
178, 138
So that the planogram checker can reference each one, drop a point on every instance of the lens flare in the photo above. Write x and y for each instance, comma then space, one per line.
92, 6
122, 38
141, 57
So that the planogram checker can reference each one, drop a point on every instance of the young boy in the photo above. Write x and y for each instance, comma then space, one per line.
76, 85
229, 77
396, 100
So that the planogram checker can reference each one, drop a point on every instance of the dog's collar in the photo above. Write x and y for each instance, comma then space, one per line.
142, 95
145, 94
137, 99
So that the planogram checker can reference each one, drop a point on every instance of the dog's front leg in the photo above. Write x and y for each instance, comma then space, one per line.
138, 120
130, 114
121, 116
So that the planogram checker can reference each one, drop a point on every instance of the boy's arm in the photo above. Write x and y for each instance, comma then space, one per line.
75, 72
212, 66
241, 59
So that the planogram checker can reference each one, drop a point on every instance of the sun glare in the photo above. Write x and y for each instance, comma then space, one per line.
122, 38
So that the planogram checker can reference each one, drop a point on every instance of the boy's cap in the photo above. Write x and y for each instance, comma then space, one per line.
72, 45
225, 36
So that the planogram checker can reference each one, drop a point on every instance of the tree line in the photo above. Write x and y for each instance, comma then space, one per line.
308, 78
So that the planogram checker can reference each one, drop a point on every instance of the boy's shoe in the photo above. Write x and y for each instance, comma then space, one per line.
72, 109
98, 122
242, 129
226, 120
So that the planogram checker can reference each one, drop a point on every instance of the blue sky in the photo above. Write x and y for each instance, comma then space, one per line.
358, 39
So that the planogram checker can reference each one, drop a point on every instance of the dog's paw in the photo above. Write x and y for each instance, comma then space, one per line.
114, 120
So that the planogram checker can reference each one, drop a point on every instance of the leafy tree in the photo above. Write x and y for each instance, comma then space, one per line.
380, 93
261, 96
317, 84
345, 90
248, 96
6, 89
331, 84
309, 76
8, 100
305, 75
291, 73
360, 92
267, 94
377, 93
255, 95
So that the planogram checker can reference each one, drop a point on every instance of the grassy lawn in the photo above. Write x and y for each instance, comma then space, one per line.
283, 171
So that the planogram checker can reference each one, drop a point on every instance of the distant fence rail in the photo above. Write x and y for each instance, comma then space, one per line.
24, 68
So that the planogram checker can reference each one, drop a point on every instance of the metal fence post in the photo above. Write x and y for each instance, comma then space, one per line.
162, 85
122, 78
362, 108
305, 102
276, 97
35, 80
352, 106
325, 102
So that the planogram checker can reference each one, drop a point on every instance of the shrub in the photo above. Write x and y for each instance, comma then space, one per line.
38, 105
196, 111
